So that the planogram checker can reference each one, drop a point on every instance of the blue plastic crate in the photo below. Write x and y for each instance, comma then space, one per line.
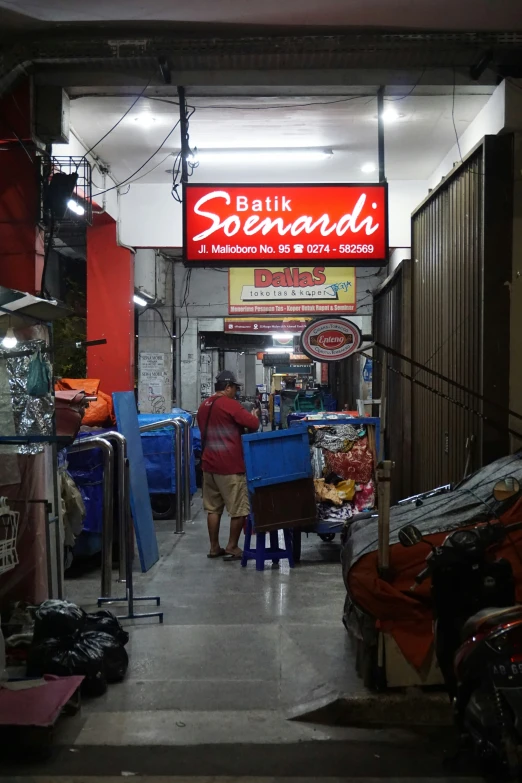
276, 457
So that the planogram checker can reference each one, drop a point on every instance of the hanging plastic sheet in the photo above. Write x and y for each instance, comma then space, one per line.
32, 415
9, 472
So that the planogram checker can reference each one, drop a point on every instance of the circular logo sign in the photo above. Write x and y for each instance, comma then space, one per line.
330, 339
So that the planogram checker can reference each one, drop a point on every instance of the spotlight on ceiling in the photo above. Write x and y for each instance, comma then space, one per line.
75, 207
145, 120
390, 114
367, 168
139, 300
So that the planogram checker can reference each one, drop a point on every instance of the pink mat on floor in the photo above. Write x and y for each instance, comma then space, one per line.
38, 706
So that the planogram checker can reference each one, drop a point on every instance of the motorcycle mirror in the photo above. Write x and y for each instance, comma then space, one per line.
506, 488
409, 535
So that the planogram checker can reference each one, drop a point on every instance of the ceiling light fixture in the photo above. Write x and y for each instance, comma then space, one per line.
367, 168
145, 119
9, 340
261, 155
281, 349
75, 207
139, 300
283, 335
390, 114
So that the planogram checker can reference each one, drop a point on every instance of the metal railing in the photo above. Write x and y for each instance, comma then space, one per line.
183, 453
182, 465
120, 444
98, 442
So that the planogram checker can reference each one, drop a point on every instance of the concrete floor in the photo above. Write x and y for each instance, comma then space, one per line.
209, 692
232, 638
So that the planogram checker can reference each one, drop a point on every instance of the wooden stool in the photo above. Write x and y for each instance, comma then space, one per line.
261, 553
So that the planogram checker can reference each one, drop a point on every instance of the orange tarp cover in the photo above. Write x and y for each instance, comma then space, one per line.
99, 413
407, 615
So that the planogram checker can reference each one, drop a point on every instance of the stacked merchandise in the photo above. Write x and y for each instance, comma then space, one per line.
343, 459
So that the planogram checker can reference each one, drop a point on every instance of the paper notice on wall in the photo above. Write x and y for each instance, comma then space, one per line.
153, 387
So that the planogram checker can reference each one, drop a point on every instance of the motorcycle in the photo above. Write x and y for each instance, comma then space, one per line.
478, 634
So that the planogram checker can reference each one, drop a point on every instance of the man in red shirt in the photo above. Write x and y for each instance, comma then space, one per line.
222, 420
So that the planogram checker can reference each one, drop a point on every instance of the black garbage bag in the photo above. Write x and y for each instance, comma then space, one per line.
55, 619
99, 657
115, 658
70, 655
105, 621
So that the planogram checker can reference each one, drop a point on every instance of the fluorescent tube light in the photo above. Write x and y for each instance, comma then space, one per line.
261, 155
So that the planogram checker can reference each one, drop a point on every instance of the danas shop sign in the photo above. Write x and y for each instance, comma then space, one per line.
239, 225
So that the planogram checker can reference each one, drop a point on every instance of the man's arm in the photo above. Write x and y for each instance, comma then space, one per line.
243, 417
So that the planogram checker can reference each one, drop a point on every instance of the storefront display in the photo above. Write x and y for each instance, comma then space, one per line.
344, 464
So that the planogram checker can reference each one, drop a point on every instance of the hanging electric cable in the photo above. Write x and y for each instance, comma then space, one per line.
133, 104
114, 187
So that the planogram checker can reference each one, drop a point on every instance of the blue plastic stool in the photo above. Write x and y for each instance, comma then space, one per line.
261, 553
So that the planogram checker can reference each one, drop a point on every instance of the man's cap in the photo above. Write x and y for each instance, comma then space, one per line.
227, 376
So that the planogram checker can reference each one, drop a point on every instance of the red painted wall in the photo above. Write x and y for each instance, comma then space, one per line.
110, 309
21, 246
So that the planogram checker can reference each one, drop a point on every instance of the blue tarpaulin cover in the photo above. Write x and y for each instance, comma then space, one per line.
86, 469
159, 456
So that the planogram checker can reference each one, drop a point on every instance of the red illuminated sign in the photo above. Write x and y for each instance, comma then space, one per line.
241, 225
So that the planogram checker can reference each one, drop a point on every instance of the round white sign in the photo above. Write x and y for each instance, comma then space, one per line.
330, 339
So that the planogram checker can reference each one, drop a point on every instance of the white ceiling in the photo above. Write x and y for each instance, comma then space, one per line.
426, 14
415, 144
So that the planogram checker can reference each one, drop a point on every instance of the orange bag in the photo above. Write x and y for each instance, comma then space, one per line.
99, 413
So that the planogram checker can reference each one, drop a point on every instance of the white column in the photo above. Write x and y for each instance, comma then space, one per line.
190, 395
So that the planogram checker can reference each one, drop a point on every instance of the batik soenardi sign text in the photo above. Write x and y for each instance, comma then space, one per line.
238, 225
292, 289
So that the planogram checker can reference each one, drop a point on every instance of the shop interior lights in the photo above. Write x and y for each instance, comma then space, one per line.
9, 340
261, 155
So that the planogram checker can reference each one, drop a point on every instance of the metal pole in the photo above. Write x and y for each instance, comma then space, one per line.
85, 444
120, 442
129, 546
380, 132
129, 582
159, 425
187, 454
183, 122
384, 406
178, 362
384, 478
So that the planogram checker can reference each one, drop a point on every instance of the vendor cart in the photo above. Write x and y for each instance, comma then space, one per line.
326, 529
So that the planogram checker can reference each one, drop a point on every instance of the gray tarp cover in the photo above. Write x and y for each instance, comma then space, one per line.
472, 501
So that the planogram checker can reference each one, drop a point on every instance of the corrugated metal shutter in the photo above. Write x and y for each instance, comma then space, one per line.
391, 327
461, 262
